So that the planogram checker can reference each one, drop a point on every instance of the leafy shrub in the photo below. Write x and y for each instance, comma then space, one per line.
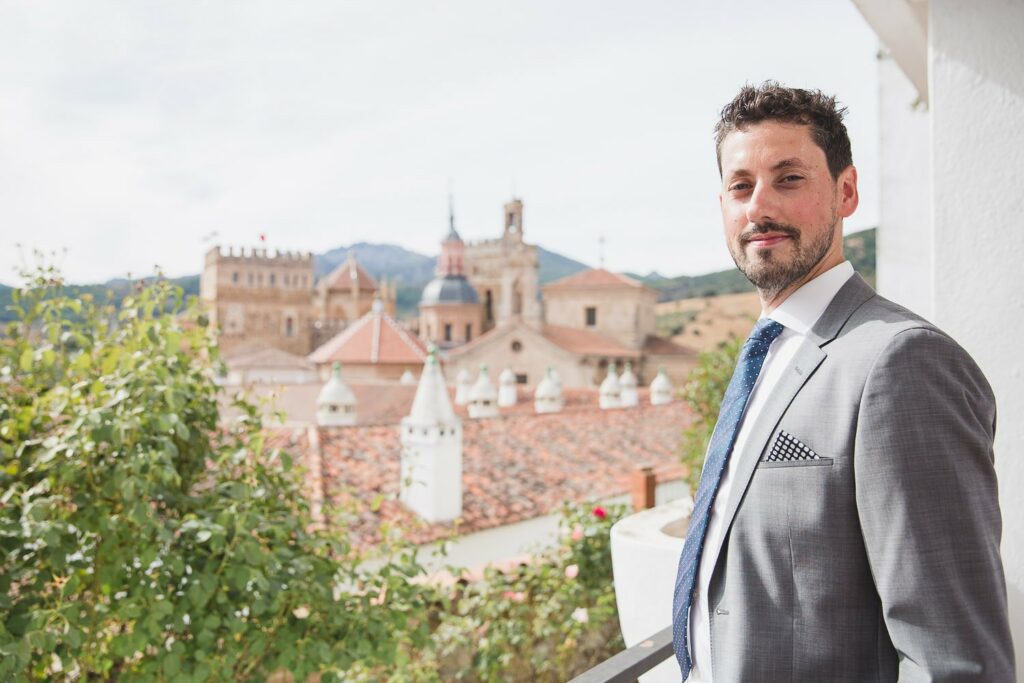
140, 540
703, 392
551, 618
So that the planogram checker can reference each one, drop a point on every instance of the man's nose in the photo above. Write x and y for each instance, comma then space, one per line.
763, 204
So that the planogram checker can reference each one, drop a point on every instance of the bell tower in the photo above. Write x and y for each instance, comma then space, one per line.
514, 220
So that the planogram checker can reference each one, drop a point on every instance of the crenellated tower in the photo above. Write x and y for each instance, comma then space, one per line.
258, 298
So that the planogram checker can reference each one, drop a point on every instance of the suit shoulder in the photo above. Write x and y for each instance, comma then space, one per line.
878, 321
895, 336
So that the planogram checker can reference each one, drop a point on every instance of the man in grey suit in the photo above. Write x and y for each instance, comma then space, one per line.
847, 526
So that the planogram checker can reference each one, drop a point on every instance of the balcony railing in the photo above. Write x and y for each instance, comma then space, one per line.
628, 664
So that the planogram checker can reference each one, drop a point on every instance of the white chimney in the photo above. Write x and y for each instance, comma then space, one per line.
610, 392
548, 397
661, 389
335, 404
431, 465
556, 377
463, 385
628, 396
507, 388
483, 398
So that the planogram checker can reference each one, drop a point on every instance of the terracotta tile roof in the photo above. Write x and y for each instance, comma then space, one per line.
341, 277
266, 357
374, 338
383, 403
515, 467
595, 277
586, 342
663, 347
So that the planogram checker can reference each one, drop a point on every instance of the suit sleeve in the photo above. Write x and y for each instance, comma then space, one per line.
929, 510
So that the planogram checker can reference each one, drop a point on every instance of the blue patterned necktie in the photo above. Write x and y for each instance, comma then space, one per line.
733, 404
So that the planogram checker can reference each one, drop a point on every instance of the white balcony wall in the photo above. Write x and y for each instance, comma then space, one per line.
976, 83
904, 267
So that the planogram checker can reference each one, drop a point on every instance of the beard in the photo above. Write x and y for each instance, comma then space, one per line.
770, 272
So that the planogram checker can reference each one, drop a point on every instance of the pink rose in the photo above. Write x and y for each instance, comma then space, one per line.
577, 533
599, 512
572, 571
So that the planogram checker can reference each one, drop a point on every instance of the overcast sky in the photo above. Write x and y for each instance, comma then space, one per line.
135, 134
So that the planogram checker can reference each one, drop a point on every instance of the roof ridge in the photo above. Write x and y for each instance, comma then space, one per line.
580, 277
405, 336
337, 341
375, 341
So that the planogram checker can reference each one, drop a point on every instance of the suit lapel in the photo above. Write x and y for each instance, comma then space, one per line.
808, 357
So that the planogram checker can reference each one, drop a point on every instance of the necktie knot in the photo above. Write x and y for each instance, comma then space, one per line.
766, 331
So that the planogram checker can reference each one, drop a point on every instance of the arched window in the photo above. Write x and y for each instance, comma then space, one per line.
517, 298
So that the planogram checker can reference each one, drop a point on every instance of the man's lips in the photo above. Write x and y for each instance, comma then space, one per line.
768, 239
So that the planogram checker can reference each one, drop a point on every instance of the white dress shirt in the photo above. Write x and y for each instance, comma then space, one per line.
798, 314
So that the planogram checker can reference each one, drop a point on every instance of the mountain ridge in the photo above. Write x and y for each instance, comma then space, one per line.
410, 271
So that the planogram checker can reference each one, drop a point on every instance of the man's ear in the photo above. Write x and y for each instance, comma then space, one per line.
849, 197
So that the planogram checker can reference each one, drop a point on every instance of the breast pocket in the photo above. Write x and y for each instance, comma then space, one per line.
789, 451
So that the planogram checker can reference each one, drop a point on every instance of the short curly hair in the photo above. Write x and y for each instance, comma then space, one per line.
773, 102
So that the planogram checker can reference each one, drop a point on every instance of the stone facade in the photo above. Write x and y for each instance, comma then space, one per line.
450, 324
529, 351
259, 299
612, 305
505, 272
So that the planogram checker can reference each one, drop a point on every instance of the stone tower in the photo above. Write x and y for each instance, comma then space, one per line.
505, 273
258, 299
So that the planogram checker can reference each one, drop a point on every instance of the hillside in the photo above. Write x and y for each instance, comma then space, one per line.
859, 247
410, 271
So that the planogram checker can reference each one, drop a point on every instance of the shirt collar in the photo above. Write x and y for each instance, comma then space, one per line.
801, 309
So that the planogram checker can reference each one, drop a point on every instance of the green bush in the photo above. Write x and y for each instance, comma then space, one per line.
548, 620
703, 392
140, 539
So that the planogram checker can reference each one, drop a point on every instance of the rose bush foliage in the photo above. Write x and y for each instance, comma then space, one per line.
141, 539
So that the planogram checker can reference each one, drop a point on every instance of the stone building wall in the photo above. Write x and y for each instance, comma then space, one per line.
258, 298
623, 314
461, 318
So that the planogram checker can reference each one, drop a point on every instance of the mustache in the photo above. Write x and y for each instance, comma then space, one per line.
769, 226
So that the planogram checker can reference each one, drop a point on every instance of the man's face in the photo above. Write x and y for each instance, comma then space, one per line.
781, 209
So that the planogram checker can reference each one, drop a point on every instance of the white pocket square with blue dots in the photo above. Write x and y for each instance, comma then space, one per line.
789, 451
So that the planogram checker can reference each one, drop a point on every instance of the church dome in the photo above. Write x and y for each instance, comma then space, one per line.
450, 289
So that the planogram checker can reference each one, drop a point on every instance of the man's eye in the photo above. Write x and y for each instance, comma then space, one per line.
739, 187
792, 178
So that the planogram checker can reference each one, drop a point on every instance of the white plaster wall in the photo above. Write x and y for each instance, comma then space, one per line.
645, 560
976, 79
904, 254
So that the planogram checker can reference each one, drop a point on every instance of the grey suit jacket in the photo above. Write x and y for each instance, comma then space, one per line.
863, 529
